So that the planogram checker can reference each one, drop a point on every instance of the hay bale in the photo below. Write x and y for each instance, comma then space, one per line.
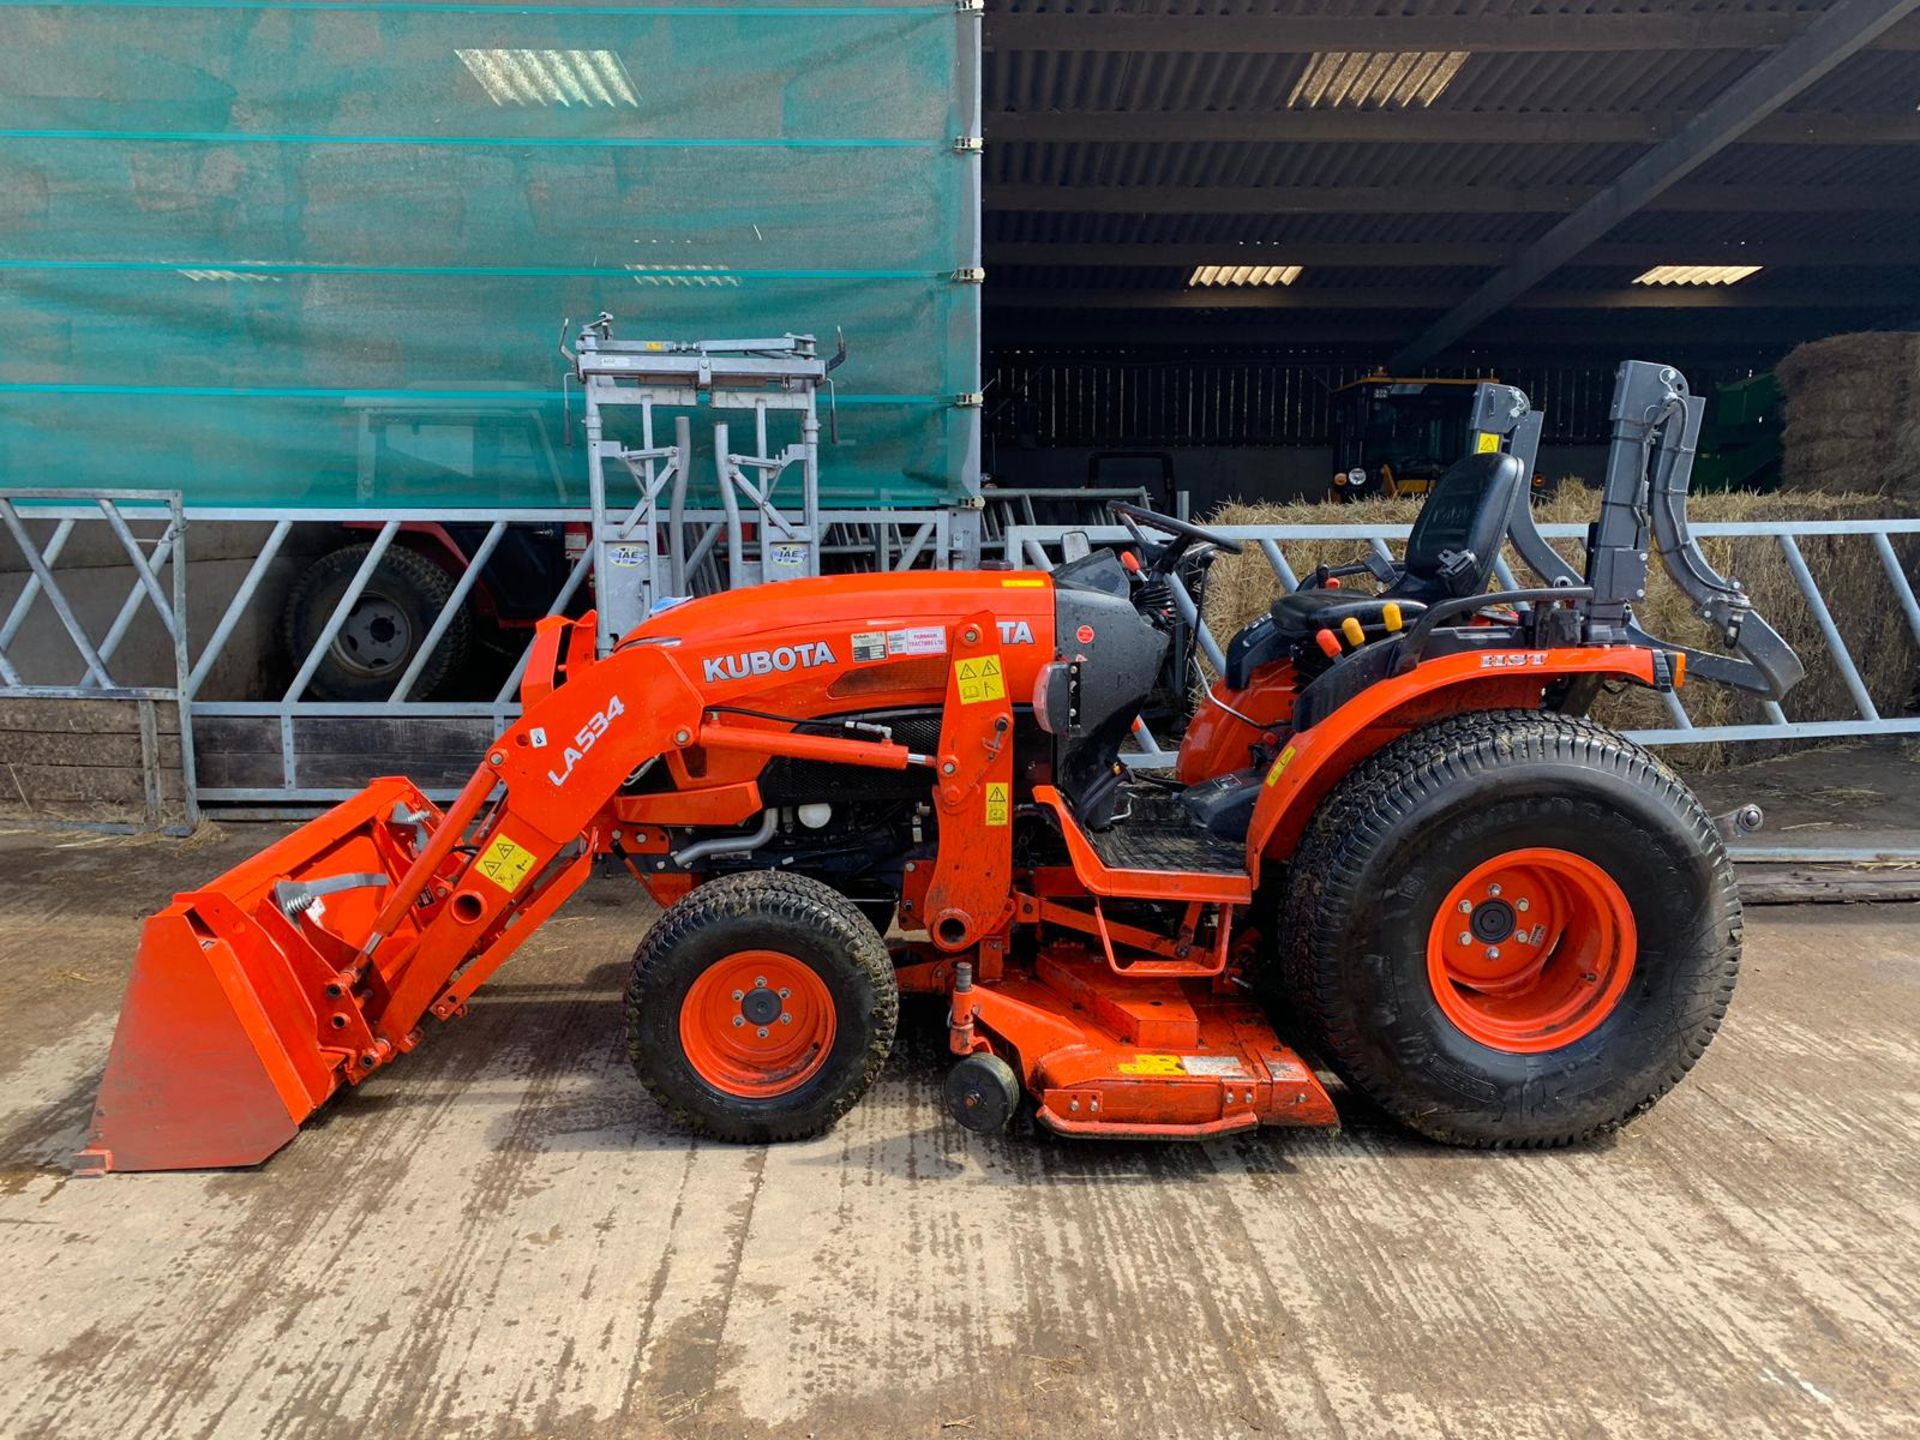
1846, 567
1852, 414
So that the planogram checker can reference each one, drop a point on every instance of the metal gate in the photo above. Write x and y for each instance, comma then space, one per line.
1040, 545
263, 749
117, 753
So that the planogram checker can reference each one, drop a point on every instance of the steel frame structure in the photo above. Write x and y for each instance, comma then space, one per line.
876, 539
1039, 546
163, 554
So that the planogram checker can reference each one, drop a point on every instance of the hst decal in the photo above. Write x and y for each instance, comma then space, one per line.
804, 656
1500, 661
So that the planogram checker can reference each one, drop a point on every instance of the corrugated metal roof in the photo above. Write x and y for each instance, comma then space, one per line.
1376, 8
1658, 84
1242, 163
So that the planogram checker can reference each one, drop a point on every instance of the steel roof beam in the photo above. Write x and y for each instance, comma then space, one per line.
1426, 127
1362, 254
1605, 331
1378, 297
1835, 34
1106, 32
1442, 199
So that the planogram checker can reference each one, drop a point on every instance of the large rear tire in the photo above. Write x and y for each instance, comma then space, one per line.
1510, 928
762, 1006
382, 632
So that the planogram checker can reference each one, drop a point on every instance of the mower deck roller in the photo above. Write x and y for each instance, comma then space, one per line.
1391, 837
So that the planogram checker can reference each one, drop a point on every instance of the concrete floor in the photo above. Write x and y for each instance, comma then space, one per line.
501, 1237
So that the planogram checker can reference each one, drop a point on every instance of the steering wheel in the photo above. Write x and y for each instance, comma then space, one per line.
1160, 559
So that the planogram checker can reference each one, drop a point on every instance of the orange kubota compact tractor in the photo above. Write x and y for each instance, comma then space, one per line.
1391, 839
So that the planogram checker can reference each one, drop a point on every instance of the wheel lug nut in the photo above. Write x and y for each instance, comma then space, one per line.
739, 994
1494, 891
786, 1019
738, 1021
1465, 938
763, 1032
1466, 907
784, 992
1493, 952
1521, 905
759, 982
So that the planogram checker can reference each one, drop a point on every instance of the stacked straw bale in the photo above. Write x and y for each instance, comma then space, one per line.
1846, 567
1853, 415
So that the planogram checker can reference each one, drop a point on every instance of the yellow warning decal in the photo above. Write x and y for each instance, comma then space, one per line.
505, 863
997, 804
1280, 765
980, 679
1024, 582
1487, 443
1153, 1065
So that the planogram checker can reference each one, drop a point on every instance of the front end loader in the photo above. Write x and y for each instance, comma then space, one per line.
1393, 847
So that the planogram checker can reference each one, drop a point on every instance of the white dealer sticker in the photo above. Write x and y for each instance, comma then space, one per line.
918, 640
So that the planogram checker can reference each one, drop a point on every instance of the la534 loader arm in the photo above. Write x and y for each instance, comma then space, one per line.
1392, 840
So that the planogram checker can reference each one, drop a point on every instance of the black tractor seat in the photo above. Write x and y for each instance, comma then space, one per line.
1450, 553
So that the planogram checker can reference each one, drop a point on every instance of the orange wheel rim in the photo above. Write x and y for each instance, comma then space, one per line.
1531, 950
757, 1024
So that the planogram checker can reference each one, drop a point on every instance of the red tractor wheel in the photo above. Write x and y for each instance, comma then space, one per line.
757, 1024
1531, 950
1510, 928
761, 1007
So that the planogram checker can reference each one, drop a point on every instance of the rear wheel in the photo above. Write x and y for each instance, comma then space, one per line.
1511, 928
761, 1007
381, 634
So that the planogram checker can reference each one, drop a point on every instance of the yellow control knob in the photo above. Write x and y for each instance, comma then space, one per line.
1390, 617
1350, 628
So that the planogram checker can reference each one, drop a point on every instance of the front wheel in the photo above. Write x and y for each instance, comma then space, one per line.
761, 1007
1511, 928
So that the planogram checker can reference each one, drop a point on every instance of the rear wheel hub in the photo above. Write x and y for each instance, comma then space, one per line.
1492, 921
1531, 950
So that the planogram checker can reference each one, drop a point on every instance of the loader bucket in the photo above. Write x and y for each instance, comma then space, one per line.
240, 1019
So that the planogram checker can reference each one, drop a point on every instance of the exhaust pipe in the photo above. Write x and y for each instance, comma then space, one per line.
728, 844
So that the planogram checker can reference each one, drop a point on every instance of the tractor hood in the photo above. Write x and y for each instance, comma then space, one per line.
798, 645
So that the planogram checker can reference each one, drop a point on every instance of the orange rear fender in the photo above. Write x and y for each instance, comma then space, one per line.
1314, 761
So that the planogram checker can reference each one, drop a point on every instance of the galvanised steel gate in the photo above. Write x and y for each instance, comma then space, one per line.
1039, 546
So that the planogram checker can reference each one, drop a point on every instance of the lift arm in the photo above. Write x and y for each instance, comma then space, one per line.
1643, 507
311, 966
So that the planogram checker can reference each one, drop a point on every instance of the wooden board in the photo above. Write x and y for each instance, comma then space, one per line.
337, 752
1764, 884
91, 760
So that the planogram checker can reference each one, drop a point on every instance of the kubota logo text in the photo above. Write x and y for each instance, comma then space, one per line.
803, 656
588, 736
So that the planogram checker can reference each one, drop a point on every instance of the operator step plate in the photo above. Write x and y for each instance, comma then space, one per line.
1157, 833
